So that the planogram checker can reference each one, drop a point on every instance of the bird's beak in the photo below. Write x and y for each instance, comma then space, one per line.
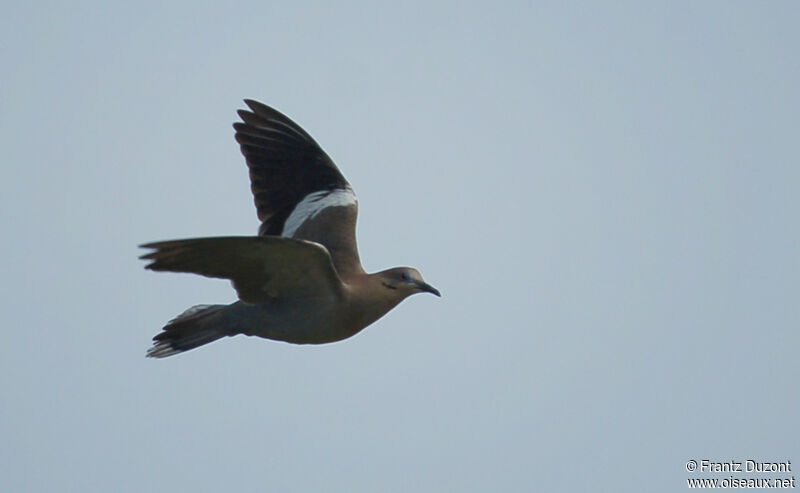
424, 286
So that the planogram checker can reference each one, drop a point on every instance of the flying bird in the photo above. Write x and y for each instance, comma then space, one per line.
300, 280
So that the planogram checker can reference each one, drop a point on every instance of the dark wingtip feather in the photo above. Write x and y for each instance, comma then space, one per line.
255, 105
163, 252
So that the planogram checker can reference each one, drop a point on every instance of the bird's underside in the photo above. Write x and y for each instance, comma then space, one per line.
301, 279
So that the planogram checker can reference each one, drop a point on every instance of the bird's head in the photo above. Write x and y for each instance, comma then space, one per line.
405, 281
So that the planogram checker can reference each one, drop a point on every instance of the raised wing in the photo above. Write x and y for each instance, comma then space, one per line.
298, 190
286, 165
260, 268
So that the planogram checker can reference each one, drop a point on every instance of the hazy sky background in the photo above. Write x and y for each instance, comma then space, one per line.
605, 194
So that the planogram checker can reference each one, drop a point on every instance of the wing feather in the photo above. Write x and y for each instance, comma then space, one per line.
260, 268
286, 164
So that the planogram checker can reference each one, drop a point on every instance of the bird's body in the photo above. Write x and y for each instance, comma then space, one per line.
301, 279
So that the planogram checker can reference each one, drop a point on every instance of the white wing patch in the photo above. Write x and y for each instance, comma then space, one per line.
314, 203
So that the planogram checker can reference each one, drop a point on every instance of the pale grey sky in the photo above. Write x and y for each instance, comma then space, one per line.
605, 194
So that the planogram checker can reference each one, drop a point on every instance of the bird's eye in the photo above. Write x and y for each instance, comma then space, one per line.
404, 276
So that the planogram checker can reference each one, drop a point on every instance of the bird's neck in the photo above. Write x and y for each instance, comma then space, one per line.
370, 299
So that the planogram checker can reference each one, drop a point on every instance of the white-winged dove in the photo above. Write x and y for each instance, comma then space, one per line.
300, 280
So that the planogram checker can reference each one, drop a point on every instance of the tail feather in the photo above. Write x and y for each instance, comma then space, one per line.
195, 327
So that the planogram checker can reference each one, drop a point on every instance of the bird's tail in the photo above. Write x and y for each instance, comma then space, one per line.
196, 326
